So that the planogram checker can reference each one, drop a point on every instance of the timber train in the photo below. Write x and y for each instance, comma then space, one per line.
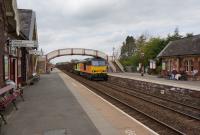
93, 69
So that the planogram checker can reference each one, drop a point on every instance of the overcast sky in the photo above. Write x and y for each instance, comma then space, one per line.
104, 24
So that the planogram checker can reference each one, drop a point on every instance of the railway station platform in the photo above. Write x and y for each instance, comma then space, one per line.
193, 85
59, 105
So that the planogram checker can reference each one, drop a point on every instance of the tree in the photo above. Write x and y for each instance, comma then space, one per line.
189, 34
132, 48
128, 47
141, 41
123, 51
131, 45
152, 48
175, 36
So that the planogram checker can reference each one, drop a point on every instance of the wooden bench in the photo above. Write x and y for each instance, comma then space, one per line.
7, 96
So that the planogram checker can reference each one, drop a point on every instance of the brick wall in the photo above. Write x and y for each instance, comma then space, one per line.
179, 64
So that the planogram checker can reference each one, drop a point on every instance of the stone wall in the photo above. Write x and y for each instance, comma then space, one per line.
187, 96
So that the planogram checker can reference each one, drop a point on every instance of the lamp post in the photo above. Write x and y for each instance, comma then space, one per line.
142, 64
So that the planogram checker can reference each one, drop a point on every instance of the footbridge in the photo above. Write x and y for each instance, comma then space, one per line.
77, 51
114, 64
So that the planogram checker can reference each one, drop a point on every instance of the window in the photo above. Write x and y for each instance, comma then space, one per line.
189, 65
102, 63
95, 63
163, 65
98, 63
186, 65
6, 67
169, 65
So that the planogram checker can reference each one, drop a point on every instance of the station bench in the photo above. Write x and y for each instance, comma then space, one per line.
8, 96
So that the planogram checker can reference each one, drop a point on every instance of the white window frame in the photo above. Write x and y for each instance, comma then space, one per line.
189, 67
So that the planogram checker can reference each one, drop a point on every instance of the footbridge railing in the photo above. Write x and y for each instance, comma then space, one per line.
76, 51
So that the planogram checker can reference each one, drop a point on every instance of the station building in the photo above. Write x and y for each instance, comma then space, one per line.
29, 29
16, 62
182, 56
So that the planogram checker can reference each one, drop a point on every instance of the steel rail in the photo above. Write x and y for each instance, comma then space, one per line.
189, 106
166, 107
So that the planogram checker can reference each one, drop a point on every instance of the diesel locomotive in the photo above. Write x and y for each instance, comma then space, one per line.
93, 69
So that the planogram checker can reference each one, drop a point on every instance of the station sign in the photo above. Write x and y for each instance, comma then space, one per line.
23, 43
35, 52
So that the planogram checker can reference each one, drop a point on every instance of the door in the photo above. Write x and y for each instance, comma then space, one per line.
13, 70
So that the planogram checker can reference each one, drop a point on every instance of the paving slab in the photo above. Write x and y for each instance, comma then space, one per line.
49, 109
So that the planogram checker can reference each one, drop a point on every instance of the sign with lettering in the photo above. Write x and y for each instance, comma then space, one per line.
23, 43
35, 52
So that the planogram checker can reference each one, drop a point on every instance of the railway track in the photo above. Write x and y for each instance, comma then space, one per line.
170, 100
184, 109
161, 118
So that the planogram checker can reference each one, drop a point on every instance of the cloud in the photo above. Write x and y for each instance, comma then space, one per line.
102, 24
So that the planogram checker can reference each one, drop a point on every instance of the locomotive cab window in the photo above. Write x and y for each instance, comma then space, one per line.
98, 63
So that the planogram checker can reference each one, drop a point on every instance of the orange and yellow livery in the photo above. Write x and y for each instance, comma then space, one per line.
95, 68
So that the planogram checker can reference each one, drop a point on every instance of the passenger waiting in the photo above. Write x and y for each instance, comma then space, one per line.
174, 72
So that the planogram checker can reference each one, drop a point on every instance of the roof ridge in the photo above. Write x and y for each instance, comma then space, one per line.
194, 36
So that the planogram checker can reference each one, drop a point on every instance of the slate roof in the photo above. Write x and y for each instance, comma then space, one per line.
185, 46
26, 20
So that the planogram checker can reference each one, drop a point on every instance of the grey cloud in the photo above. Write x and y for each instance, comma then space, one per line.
103, 24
